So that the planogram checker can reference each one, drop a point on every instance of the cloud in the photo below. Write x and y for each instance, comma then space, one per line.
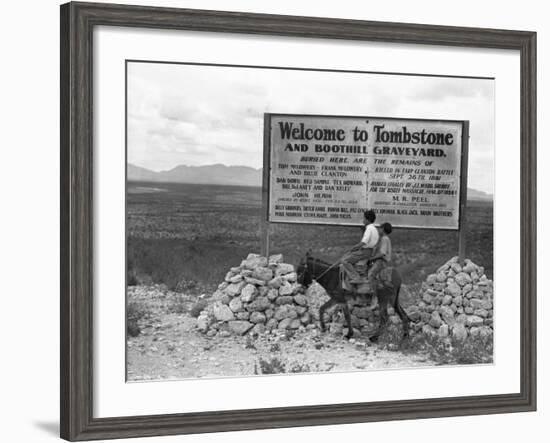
192, 114
454, 88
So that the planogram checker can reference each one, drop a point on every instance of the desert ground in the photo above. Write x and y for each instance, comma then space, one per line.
181, 241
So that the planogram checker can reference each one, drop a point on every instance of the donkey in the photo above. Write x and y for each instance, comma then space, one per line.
328, 276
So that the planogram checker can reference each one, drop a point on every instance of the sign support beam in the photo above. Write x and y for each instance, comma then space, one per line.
264, 216
463, 218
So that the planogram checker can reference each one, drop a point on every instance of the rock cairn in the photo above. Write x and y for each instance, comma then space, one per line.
259, 295
457, 301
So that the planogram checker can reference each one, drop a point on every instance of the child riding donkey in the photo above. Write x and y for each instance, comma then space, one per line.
384, 281
375, 248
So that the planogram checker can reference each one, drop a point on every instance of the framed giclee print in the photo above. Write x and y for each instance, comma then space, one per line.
272, 221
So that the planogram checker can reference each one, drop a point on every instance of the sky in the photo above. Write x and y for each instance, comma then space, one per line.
198, 115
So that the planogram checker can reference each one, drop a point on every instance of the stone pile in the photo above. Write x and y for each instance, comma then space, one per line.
456, 301
259, 295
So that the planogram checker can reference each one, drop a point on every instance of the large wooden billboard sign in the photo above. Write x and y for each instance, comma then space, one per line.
328, 169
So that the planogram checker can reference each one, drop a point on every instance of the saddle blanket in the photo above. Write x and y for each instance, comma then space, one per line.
363, 285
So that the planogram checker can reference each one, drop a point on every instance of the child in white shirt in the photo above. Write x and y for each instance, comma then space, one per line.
364, 249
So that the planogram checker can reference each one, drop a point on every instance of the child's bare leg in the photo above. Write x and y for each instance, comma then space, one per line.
351, 270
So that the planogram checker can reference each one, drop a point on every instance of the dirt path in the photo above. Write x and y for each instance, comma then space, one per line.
170, 347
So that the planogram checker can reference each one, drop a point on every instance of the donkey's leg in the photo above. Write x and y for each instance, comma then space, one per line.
402, 314
348, 320
322, 310
383, 310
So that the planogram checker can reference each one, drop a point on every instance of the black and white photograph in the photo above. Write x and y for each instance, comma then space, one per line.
290, 220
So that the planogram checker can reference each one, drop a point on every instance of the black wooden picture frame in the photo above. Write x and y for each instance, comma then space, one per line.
77, 23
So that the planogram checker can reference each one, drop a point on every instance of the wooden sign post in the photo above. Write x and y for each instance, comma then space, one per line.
463, 217
264, 217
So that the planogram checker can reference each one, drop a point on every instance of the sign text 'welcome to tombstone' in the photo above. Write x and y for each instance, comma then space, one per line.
328, 169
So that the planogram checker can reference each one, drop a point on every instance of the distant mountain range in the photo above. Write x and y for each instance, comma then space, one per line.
474, 194
219, 174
